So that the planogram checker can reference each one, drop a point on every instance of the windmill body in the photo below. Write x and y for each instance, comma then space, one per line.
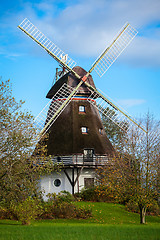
76, 134
77, 138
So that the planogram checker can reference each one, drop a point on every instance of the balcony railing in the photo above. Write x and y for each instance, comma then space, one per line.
80, 160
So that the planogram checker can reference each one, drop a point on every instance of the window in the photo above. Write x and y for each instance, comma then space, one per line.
57, 182
88, 182
84, 130
101, 131
82, 109
88, 155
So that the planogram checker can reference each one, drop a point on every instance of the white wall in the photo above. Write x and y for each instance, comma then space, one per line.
47, 182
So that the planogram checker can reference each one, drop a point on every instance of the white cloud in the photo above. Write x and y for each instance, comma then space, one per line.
86, 27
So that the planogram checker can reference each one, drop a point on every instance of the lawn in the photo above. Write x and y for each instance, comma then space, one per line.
110, 221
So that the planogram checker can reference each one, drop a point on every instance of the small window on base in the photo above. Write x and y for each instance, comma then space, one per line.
82, 109
57, 182
84, 130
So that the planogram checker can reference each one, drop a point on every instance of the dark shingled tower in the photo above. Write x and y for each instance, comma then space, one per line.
79, 126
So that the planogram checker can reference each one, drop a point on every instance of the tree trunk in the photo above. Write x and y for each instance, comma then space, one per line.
142, 214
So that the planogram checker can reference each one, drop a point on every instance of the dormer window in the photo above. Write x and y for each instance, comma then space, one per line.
84, 130
82, 109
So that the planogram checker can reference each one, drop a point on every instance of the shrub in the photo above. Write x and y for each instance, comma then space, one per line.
57, 206
63, 196
4, 213
7, 212
69, 210
27, 210
61, 209
98, 194
89, 194
152, 208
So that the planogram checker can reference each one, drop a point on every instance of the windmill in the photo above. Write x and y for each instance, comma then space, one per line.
81, 84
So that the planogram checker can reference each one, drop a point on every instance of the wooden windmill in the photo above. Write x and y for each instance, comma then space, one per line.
72, 119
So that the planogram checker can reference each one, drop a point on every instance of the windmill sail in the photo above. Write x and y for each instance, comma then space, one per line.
101, 65
34, 33
111, 53
53, 109
112, 111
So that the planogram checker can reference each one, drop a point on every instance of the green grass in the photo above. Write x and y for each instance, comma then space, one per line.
110, 221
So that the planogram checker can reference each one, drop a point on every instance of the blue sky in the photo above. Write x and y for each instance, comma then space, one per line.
83, 29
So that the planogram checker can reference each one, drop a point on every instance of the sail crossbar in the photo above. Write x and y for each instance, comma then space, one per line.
34, 33
112, 111
111, 53
52, 110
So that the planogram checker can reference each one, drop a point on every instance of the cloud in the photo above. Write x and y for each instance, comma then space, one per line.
127, 103
85, 28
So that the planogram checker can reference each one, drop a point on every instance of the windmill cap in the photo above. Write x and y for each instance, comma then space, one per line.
72, 81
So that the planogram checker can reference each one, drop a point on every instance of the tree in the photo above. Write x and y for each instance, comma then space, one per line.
20, 170
134, 175
115, 134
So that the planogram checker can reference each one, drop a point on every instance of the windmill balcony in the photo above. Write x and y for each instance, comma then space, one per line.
81, 160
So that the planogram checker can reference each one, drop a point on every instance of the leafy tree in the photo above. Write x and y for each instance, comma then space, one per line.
115, 134
20, 170
134, 175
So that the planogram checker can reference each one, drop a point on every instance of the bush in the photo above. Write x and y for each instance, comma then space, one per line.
89, 194
27, 210
63, 196
62, 209
57, 206
61, 206
4, 213
152, 208
98, 194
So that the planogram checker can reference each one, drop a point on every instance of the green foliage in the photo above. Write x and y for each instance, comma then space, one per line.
89, 194
27, 210
98, 193
55, 207
134, 172
24, 211
20, 170
64, 210
152, 207
63, 196
69, 211
102, 212
61, 206
5, 213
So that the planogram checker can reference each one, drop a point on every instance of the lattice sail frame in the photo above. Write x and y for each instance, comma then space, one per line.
45, 119
33, 32
112, 111
101, 65
110, 54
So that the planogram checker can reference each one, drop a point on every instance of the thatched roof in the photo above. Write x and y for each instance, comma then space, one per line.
65, 135
72, 81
